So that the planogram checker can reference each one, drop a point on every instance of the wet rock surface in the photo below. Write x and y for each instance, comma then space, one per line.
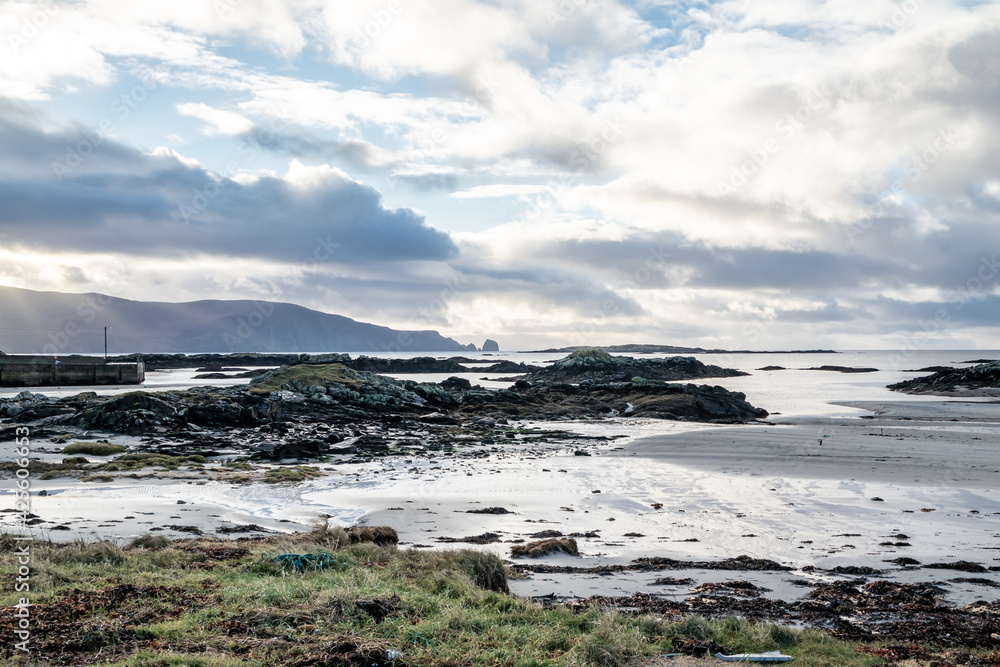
950, 381
855, 610
596, 364
309, 410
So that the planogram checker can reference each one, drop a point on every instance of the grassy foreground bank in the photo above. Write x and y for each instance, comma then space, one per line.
218, 603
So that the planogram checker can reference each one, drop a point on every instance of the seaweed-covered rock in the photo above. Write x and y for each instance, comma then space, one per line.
595, 364
954, 380
544, 547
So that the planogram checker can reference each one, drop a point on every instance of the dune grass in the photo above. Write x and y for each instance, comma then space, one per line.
219, 603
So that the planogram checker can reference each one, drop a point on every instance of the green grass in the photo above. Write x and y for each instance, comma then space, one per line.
220, 603
149, 460
291, 474
97, 478
312, 374
94, 448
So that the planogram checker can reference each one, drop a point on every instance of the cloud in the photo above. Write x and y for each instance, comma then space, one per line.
672, 170
216, 120
162, 204
498, 190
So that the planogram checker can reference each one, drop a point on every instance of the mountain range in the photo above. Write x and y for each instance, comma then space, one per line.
36, 322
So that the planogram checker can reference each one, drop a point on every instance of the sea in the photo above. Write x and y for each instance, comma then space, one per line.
792, 393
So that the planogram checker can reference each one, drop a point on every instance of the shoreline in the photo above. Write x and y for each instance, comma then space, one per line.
764, 490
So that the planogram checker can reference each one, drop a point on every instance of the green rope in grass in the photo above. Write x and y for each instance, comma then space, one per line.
301, 562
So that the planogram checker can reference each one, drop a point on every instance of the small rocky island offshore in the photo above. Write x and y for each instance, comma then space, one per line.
322, 406
981, 380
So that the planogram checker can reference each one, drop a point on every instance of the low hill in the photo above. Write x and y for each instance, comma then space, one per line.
59, 323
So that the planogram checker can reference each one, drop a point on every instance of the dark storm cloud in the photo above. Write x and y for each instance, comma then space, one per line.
666, 260
76, 190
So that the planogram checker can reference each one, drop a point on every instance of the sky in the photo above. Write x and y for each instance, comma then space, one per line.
740, 174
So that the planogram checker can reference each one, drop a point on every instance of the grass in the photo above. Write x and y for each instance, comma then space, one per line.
291, 474
148, 460
94, 448
312, 374
221, 603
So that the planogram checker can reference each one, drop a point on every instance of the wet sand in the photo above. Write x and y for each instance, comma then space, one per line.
768, 491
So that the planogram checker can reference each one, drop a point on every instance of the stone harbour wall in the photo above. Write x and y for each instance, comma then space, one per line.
39, 371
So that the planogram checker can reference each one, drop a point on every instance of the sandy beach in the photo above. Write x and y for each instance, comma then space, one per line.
916, 479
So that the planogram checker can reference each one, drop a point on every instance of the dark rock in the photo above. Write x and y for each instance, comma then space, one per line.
959, 565
671, 581
491, 346
506, 366
596, 364
490, 510
544, 547
855, 570
485, 538
217, 414
243, 528
546, 534
456, 384
194, 530
773, 368
843, 369
414, 365
301, 449
984, 376
740, 563
903, 561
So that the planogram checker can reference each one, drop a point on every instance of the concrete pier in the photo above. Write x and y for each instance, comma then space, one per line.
43, 371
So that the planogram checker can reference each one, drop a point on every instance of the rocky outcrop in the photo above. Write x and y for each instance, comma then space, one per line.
506, 366
639, 397
299, 411
843, 369
491, 346
596, 364
414, 365
949, 382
